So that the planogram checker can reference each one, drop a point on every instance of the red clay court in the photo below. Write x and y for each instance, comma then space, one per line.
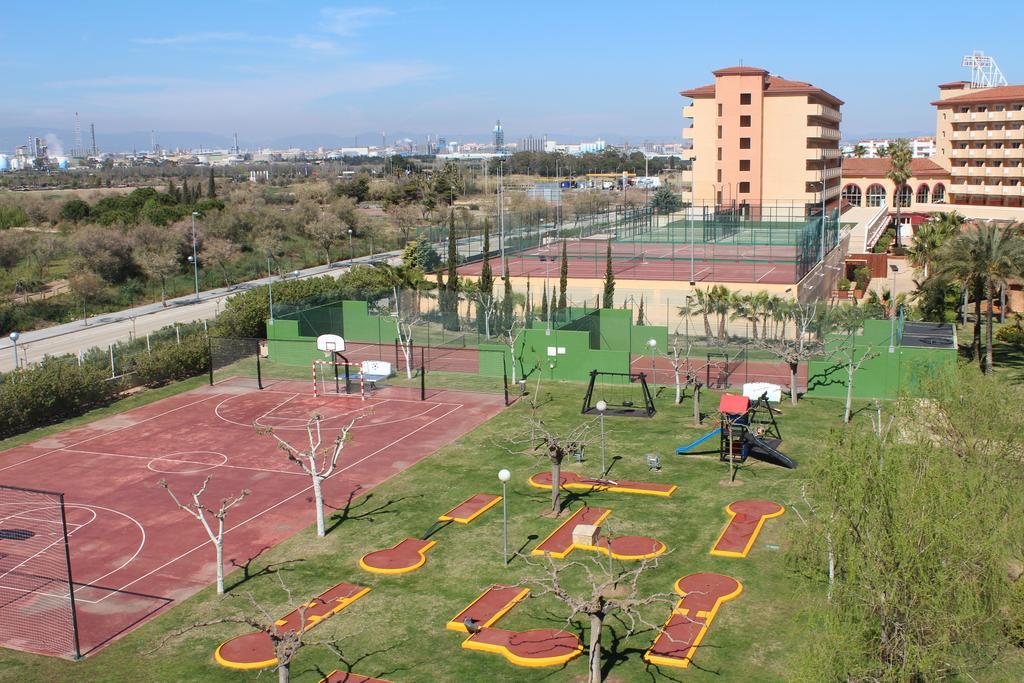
133, 553
712, 262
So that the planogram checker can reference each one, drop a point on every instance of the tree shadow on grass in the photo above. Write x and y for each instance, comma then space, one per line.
362, 510
349, 666
248, 574
613, 652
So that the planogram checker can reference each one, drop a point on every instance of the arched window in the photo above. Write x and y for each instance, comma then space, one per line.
851, 195
939, 193
876, 195
903, 196
922, 194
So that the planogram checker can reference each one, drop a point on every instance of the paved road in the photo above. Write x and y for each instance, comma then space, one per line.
137, 322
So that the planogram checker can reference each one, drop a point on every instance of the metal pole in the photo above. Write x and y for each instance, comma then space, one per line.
71, 581
113, 372
504, 515
14, 345
195, 255
603, 468
270, 281
892, 314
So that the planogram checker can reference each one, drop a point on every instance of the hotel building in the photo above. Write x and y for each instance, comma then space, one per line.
760, 139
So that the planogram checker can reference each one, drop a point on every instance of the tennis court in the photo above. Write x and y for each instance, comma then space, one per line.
133, 553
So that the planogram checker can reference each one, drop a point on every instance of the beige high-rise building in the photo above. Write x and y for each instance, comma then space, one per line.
759, 139
979, 136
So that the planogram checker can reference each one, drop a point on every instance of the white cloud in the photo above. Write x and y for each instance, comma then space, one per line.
347, 21
193, 38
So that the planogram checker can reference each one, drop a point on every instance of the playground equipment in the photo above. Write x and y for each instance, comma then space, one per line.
746, 429
620, 392
337, 365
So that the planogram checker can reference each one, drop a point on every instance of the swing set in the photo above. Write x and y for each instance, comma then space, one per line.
623, 394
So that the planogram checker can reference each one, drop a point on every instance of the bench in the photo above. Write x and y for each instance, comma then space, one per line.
374, 371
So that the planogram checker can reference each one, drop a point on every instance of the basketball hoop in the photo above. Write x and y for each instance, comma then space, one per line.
330, 344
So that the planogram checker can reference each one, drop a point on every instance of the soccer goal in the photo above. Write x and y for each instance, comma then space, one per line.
335, 375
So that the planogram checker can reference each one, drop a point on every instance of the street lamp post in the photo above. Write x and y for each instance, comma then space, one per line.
195, 255
653, 344
892, 312
504, 475
689, 221
351, 249
14, 344
601, 407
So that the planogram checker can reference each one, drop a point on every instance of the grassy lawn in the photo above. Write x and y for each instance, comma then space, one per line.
397, 631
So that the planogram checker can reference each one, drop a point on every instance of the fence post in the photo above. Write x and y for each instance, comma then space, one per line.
209, 348
148, 348
423, 376
177, 333
113, 372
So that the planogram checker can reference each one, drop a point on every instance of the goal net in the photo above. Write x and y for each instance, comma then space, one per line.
37, 607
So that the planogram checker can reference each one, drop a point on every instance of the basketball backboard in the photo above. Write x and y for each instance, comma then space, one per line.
330, 343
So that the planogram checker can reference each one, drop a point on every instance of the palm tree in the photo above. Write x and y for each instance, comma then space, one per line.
900, 155
721, 299
987, 256
745, 308
702, 305
860, 151
930, 237
882, 303
882, 151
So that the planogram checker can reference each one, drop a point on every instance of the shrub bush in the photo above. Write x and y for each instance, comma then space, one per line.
1011, 334
53, 391
862, 276
843, 285
173, 362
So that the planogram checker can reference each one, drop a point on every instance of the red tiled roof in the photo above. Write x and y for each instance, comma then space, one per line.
879, 168
775, 85
740, 71
1004, 93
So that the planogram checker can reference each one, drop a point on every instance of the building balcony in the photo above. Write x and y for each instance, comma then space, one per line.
826, 112
822, 153
824, 174
823, 132
688, 111
981, 116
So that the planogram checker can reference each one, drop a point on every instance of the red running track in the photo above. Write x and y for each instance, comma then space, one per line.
133, 553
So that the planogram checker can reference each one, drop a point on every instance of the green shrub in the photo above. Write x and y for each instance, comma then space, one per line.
843, 285
53, 391
245, 314
173, 362
884, 241
12, 217
862, 276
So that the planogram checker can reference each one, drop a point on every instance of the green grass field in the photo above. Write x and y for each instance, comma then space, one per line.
398, 630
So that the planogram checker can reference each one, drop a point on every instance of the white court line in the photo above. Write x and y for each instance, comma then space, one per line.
363, 411
279, 503
58, 539
765, 275
376, 399
112, 431
697, 275
189, 462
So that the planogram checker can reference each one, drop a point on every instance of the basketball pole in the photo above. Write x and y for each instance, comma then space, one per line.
71, 582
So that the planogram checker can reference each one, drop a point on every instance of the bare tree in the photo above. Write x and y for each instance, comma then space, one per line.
325, 230
680, 360
613, 591
850, 320
157, 252
201, 511
220, 252
792, 352
555, 447
286, 642
510, 336
319, 462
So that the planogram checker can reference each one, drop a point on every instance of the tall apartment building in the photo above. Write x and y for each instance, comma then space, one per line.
762, 139
980, 141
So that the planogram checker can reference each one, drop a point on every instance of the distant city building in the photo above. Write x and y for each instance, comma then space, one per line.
921, 147
761, 139
499, 138
532, 144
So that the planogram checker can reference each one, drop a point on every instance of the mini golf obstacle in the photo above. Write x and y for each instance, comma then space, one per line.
532, 648
411, 553
624, 394
702, 596
746, 429
746, 517
582, 532
570, 481
256, 651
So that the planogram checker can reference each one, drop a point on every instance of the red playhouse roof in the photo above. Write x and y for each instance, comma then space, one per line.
731, 404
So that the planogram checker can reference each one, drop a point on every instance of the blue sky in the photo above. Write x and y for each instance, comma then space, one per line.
272, 68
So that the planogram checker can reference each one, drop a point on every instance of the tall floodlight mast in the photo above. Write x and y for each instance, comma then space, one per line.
985, 72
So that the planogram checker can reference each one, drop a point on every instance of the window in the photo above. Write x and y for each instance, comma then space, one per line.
922, 194
719, 132
744, 121
719, 109
876, 195
939, 193
744, 187
719, 175
851, 195
719, 153
744, 98
744, 164
903, 197
744, 143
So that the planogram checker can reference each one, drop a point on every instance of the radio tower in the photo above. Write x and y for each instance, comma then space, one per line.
77, 152
236, 144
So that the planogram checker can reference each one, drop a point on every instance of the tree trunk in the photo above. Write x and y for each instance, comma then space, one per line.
679, 388
318, 498
988, 328
976, 344
707, 327
595, 648
163, 291
849, 389
792, 382
696, 405
556, 487
283, 673
219, 546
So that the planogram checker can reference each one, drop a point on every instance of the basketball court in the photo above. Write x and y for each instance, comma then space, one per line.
133, 553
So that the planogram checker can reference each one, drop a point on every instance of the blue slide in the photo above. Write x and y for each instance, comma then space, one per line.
689, 447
